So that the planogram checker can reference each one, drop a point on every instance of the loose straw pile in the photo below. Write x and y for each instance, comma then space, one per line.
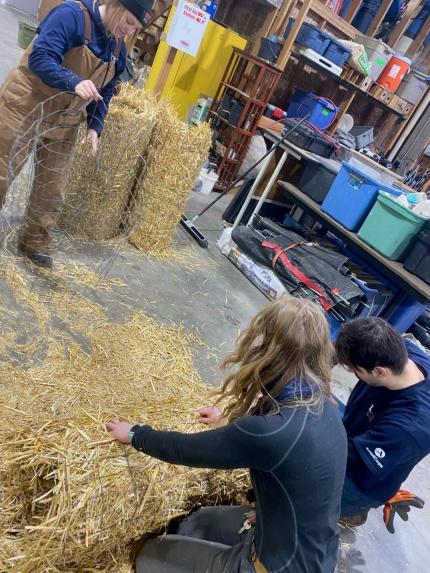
70, 498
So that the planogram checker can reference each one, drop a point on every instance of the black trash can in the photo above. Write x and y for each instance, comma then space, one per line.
418, 259
316, 181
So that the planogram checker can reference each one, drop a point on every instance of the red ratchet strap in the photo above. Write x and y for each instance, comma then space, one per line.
280, 254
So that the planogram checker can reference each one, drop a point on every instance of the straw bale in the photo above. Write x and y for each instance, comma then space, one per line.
99, 187
71, 499
173, 163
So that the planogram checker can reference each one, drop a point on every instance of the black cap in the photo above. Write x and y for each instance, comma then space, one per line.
141, 9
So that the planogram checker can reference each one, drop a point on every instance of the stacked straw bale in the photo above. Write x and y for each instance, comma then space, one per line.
99, 188
173, 164
140, 179
71, 499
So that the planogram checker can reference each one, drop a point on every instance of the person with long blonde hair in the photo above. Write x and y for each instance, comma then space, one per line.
68, 73
281, 423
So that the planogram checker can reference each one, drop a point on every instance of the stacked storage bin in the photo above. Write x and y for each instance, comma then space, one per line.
320, 111
391, 227
379, 54
418, 258
352, 196
316, 181
312, 37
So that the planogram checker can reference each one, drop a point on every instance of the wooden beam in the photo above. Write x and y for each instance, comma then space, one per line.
412, 10
283, 16
286, 50
269, 22
379, 18
353, 10
322, 11
344, 109
416, 44
164, 72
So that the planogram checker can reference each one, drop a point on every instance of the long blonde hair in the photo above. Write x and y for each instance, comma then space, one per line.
115, 12
288, 342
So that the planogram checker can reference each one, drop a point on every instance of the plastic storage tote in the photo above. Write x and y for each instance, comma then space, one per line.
270, 50
391, 227
413, 86
378, 52
322, 112
316, 181
352, 197
418, 258
310, 36
337, 53
363, 135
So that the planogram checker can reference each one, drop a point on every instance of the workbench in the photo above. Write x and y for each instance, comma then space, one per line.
413, 293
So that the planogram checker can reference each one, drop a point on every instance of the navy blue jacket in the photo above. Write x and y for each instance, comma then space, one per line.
390, 430
62, 30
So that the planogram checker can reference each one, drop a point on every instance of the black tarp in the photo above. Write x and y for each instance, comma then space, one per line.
320, 265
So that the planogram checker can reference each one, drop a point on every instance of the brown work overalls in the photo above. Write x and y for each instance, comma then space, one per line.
37, 118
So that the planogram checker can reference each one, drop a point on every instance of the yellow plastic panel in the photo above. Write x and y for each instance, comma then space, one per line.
190, 77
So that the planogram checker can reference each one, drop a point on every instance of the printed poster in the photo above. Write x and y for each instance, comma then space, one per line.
187, 28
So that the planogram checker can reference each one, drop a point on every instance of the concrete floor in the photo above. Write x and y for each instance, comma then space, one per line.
213, 299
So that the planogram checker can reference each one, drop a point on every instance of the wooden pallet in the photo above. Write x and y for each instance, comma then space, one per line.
357, 79
381, 94
401, 105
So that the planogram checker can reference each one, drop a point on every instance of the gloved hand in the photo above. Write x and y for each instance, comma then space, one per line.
401, 503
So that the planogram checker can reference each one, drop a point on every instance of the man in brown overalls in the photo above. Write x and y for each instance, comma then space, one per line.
71, 67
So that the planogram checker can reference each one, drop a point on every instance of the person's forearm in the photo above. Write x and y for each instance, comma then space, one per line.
44, 66
97, 111
213, 449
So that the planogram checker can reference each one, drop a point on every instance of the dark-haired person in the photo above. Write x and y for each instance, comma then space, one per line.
70, 71
387, 417
284, 427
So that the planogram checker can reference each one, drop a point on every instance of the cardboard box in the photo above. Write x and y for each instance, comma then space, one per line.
46, 6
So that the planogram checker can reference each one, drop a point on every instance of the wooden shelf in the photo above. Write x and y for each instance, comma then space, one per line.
245, 95
218, 116
394, 270
237, 90
344, 82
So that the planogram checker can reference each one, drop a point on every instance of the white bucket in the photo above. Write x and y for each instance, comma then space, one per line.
208, 181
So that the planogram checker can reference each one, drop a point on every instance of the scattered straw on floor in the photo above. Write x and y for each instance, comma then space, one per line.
70, 498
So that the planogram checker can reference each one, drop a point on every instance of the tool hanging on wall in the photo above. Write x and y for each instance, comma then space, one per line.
189, 224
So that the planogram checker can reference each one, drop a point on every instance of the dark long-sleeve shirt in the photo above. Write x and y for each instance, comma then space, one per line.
62, 30
297, 461
388, 431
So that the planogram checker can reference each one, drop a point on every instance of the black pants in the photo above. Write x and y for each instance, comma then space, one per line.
208, 541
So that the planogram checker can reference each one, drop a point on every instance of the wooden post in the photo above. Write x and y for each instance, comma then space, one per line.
379, 18
353, 9
416, 44
264, 32
286, 51
164, 72
344, 108
399, 29
269, 22
283, 16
